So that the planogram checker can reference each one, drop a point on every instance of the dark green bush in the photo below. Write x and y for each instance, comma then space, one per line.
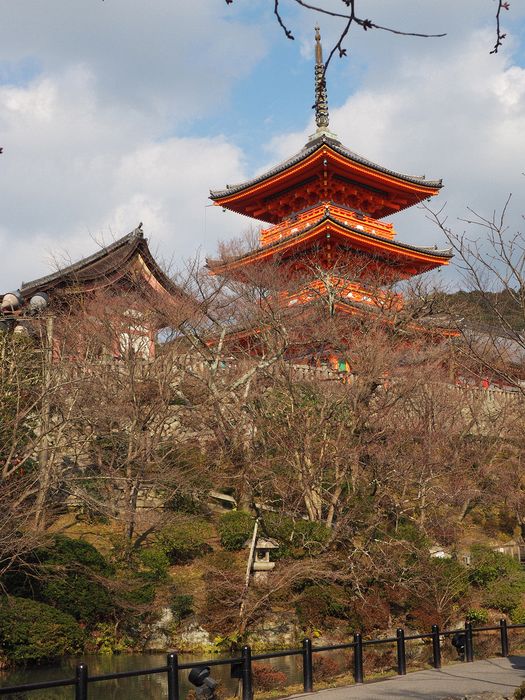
503, 595
487, 566
31, 631
235, 528
64, 574
182, 606
296, 538
143, 594
67, 551
78, 595
155, 563
182, 542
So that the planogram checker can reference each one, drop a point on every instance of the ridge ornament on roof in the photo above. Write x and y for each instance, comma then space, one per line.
322, 117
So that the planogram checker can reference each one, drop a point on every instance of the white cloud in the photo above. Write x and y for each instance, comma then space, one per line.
74, 171
90, 142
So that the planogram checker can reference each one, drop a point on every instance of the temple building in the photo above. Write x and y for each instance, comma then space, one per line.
122, 273
325, 206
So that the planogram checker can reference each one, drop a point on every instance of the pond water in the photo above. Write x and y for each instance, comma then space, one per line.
152, 687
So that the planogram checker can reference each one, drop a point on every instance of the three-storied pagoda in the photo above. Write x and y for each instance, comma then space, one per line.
326, 206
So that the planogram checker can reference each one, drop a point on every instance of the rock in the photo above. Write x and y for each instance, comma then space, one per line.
192, 637
274, 632
161, 632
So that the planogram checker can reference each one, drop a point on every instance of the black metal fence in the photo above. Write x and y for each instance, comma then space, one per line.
242, 665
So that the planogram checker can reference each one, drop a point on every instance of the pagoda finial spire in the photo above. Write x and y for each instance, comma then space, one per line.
321, 97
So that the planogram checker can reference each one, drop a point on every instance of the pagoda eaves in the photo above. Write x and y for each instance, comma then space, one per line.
325, 170
327, 229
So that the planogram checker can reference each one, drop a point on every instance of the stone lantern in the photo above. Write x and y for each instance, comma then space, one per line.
261, 560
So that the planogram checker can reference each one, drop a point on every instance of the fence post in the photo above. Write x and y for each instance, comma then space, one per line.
308, 683
247, 691
504, 634
81, 682
358, 658
436, 647
469, 647
173, 676
401, 656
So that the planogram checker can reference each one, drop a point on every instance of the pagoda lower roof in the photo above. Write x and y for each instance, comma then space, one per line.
237, 197
105, 267
418, 258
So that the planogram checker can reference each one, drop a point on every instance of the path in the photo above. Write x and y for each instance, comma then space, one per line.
494, 675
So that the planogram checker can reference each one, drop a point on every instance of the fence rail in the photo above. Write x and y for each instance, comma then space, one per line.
243, 663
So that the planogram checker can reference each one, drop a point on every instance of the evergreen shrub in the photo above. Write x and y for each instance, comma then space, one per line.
64, 574
184, 541
155, 563
296, 538
31, 631
503, 595
78, 595
487, 566
235, 528
143, 594
181, 606
478, 616
518, 615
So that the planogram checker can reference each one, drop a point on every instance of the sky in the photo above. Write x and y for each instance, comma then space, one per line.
115, 112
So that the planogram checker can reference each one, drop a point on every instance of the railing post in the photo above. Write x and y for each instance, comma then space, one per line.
436, 647
81, 682
173, 676
358, 658
504, 635
469, 647
247, 691
308, 683
401, 655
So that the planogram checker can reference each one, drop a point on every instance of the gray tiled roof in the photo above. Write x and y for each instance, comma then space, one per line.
310, 148
433, 251
102, 263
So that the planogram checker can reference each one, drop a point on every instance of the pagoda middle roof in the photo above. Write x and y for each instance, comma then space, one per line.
310, 148
379, 246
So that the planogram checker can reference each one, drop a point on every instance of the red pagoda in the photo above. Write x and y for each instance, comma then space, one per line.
325, 206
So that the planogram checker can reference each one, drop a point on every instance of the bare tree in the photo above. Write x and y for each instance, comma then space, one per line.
350, 15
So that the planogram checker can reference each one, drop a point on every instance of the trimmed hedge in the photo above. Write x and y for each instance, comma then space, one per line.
183, 542
32, 632
66, 572
296, 538
235, 528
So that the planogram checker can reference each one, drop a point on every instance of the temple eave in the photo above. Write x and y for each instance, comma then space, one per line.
329, 229
325, 155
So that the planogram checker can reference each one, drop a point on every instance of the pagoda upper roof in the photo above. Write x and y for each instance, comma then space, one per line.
106, 267
420, 258
415, 188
